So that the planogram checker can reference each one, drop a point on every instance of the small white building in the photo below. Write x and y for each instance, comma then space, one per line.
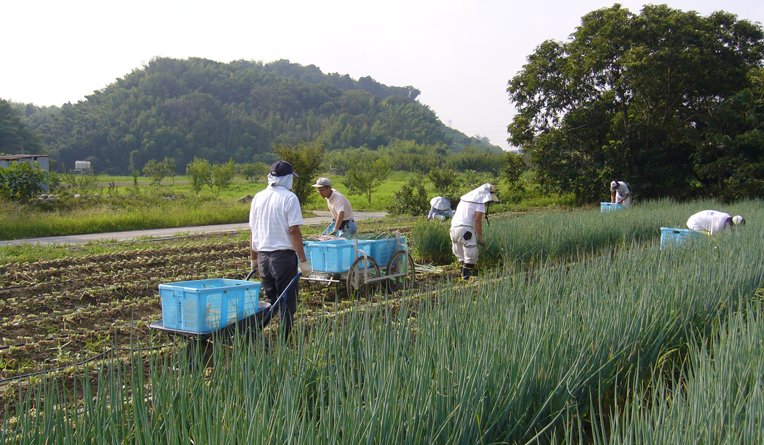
41, 160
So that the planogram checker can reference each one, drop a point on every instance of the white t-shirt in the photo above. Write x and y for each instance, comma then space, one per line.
708, 221
620, 192
465, 214
273, 212
339, 203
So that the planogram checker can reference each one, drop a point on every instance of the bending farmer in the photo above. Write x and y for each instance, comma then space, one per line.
620, 193
440, 208
274, 220
339, 206
467, 227
711, 221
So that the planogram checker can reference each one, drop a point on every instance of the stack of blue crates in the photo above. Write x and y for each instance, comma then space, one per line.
336, 256
203, 306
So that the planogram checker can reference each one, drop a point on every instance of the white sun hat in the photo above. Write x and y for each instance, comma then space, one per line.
440, 203
484, 193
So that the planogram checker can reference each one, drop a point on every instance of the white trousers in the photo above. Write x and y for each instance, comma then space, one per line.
466, 250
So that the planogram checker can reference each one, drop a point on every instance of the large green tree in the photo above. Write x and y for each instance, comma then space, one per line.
730, 161
631, 97
15, 138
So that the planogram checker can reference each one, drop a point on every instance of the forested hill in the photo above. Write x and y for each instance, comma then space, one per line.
219, 111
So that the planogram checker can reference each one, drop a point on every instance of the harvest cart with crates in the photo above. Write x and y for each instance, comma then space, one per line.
362, 265
214, 309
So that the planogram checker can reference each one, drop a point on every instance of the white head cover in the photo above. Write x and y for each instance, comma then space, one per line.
738, 220
484, 193
440, 203
614, 185
284, 181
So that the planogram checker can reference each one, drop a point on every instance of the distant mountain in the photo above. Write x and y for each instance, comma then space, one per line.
186, 108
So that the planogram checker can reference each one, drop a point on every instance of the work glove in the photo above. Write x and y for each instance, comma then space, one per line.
305, 268
481, 241
253, 265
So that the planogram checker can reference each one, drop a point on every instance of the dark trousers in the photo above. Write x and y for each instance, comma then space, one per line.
277, 269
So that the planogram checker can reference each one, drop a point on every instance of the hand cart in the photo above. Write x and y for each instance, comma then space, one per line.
356, 263
218, 298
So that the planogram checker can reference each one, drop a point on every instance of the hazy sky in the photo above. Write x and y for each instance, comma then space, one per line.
458, 53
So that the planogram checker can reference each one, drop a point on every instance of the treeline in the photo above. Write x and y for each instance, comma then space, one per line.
237, 111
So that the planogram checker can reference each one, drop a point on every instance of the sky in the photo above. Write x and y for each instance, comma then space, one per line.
459, 53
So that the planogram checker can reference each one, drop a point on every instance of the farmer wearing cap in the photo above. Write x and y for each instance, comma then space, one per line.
274, 220
339, 206
620, 193
467, 227
712, 221
440, 208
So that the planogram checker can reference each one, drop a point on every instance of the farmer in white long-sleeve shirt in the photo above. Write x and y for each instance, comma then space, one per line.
467, 227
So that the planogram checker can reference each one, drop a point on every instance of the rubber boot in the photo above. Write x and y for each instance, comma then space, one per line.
467, 271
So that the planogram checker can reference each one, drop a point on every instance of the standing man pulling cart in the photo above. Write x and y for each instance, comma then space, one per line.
275, 218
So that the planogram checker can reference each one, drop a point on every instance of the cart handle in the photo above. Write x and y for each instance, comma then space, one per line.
329, 229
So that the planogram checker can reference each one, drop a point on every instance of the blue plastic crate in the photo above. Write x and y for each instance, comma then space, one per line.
610, 207
674, 237
334, 256
383, 249
203, 306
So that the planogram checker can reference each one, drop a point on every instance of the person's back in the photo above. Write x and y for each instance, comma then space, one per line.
710, 221
273, 210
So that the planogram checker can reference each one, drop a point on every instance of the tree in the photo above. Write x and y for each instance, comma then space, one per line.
730, 161
222, 175
15, 138
199, 173
169, 167
253, 172
630, 97
306, 161
444, 180
154, 170
366, 171
514, 166
410, 199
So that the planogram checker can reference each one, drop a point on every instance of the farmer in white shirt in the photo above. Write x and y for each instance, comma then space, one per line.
276, 240
620, 193
339, 206
712, 221
467, 227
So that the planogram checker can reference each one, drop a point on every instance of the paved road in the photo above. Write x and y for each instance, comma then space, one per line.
323, 218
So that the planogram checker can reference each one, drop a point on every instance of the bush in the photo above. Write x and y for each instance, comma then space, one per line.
21, 181
410, 199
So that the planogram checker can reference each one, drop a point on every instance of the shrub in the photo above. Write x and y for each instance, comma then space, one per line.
21, 181
410, 199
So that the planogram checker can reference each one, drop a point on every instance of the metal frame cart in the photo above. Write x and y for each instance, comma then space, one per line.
356, 263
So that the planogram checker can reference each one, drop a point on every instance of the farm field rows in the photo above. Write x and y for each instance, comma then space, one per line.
552, 281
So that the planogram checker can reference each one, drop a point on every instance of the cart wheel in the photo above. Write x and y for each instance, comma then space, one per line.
357, 286
402, 265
